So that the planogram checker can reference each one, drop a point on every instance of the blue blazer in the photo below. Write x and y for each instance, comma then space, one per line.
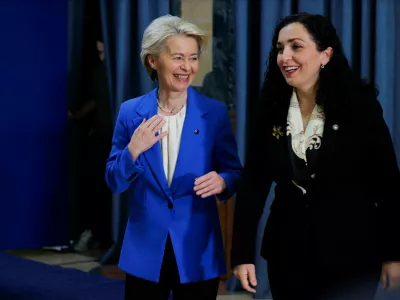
156, 210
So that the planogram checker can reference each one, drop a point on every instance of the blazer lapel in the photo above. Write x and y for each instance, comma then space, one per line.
280, 145
153, 156
332, 128
193, 132
281, 150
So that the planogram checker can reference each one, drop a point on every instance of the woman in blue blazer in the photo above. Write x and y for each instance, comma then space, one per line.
175, 150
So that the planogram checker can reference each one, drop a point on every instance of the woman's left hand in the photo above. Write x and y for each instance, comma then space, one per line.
391, 275
209, 185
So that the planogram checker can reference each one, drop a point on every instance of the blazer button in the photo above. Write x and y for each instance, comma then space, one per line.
313, 176
170, 205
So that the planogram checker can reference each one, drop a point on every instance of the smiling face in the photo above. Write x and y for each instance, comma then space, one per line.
177, 64
298, 57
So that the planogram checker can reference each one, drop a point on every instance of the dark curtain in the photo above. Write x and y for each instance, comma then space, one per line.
123, 23
76, 10
369, 30
83, 31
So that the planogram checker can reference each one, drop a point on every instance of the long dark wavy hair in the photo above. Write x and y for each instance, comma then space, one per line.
337, 83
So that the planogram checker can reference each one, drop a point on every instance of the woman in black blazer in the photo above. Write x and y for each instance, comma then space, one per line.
321, 137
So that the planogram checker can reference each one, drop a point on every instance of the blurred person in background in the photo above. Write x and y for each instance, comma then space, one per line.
95, 199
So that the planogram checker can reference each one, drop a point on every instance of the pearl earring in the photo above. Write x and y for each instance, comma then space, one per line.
322, 66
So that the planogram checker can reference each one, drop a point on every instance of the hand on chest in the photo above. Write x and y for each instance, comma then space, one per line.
186, 152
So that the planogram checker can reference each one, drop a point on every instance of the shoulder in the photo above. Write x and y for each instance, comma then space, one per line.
214, 107
365, 103
357, 104
133, 104
218, 113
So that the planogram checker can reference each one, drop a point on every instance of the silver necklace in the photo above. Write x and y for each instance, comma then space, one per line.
169, 112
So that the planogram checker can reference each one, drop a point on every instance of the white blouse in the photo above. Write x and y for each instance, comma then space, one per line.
171, 143
305, 142
304, 139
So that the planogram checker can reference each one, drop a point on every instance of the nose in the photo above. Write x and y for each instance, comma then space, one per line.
286, 55
185, 65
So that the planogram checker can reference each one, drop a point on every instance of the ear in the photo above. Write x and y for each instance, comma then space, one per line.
326, 55
152, 61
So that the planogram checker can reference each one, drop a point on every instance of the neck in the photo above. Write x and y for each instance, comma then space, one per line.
306, 97
171, 100
306, 100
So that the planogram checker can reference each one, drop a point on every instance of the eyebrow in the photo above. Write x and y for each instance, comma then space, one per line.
177, 53
291, 40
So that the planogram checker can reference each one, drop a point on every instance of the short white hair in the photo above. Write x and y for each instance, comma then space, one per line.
160, 30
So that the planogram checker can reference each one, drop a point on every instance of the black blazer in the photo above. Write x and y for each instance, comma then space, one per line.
351, 211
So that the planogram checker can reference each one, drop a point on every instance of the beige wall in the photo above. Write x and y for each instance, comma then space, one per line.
200, 12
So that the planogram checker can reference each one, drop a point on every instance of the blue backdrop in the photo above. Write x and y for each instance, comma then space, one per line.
33, 115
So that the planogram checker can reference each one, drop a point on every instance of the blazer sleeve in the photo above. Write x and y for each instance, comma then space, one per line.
227, 162
251, 196
121, 169
386, 181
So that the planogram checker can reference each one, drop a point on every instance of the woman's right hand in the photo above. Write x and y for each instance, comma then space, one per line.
144, 137
246, 273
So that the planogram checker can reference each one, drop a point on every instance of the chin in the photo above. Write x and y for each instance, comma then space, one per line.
181, 87
291, 83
